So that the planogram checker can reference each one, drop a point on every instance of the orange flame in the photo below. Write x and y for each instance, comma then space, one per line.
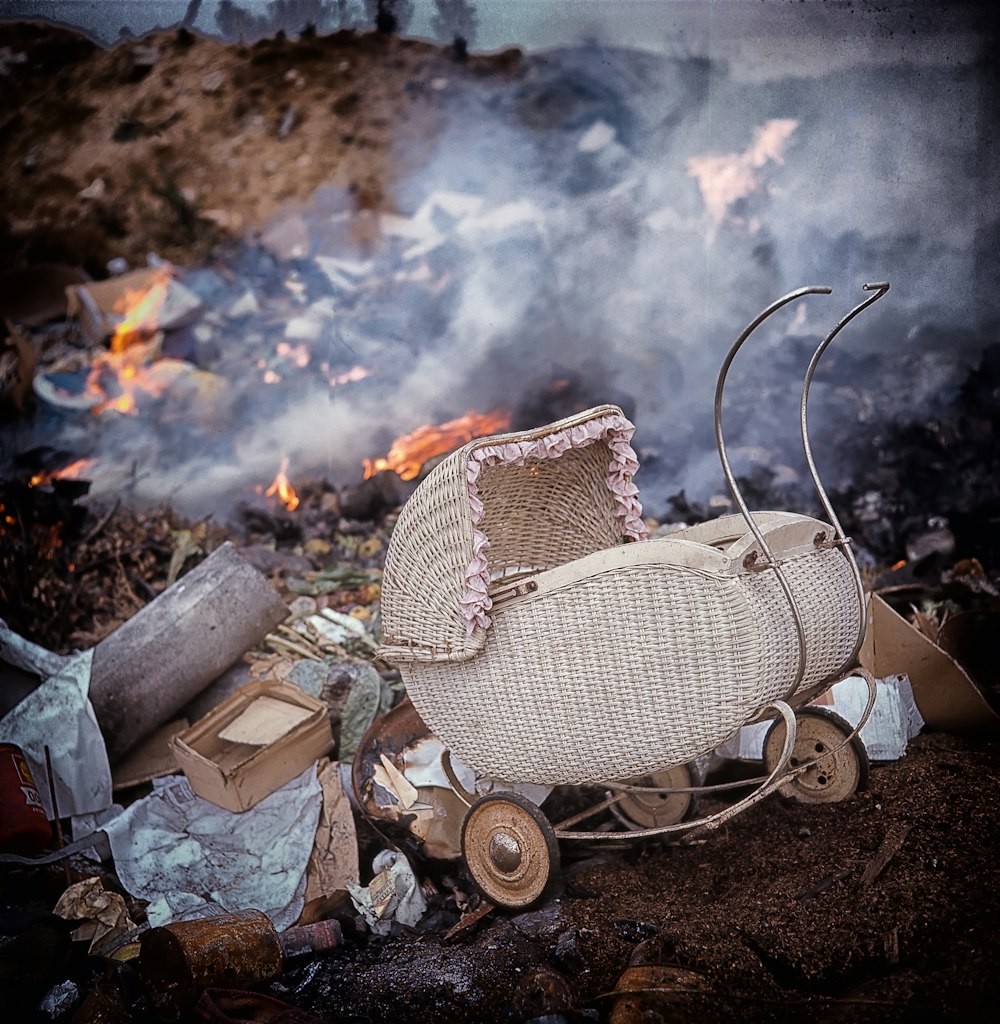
128, 380
141, 313
74, 471
282, 489
408, 453
117, 376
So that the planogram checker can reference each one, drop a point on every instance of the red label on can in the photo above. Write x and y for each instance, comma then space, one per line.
24, 826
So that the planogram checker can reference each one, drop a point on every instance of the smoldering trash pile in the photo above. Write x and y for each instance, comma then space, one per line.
263, 529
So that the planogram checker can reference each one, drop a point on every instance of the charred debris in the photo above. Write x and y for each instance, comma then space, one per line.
218, 800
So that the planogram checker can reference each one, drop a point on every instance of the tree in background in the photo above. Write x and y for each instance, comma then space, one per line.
456, 18
289, 16
390, 15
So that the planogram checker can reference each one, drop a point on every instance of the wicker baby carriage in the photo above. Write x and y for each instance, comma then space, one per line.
545, 640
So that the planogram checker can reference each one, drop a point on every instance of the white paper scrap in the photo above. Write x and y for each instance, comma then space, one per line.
894, 719
191, 859
58, 715
398, 783
392, 895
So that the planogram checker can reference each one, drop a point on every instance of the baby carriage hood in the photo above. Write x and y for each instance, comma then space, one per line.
497, 507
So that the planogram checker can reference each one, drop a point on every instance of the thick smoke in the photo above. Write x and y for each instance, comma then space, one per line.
615, 218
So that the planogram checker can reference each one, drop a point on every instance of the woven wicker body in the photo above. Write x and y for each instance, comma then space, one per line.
599, 659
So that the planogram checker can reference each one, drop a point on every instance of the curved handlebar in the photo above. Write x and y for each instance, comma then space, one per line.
879, 288
770, 561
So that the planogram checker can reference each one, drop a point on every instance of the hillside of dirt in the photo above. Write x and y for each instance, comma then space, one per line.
170, 142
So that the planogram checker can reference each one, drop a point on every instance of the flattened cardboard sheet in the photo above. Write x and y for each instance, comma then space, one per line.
947, 697
264, 721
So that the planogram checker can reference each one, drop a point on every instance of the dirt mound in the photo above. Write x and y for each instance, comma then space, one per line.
167, 143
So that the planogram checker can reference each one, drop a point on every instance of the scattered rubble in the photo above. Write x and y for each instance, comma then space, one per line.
324, 648
882, 908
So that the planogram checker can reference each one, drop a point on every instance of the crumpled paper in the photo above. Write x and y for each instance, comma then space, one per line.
894, 720
104, 914
58, 715
394, 894
191, 859
333, 864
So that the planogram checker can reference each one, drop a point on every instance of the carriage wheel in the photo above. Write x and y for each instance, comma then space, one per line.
830, 777
651, 810
509, 848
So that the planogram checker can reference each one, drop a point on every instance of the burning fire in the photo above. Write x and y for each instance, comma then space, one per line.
74, 471
726, 179
141, 311
408, 453
118, 376
282, 488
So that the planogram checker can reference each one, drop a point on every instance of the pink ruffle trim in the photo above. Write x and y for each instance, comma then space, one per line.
616, 431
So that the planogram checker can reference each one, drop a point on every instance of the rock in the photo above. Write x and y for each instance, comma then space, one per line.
212, 82
269, 560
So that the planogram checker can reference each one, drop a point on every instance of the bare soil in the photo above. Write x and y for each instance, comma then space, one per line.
193, 140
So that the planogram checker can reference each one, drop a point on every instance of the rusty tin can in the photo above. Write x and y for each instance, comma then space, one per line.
179, 961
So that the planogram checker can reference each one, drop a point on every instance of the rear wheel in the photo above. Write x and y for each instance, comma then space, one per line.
509, 849
836, 770
649, 809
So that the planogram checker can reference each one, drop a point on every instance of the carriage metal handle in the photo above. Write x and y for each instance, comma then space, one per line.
843, 541
770, 561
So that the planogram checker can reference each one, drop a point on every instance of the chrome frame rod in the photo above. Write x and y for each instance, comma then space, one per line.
879, 288
770, 561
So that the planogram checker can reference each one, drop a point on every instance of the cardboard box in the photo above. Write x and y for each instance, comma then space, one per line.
947, 697
272, 732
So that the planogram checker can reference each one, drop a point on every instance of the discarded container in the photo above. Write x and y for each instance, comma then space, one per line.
24, 827
179, 961
650, 989
948, 699
655, 992
264, 735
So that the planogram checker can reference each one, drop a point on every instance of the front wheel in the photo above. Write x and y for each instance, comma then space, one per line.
509, 849
836, 769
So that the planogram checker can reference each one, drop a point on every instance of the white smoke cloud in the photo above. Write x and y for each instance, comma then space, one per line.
622, 217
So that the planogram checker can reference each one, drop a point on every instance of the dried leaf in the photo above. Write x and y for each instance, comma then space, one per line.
185, 546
